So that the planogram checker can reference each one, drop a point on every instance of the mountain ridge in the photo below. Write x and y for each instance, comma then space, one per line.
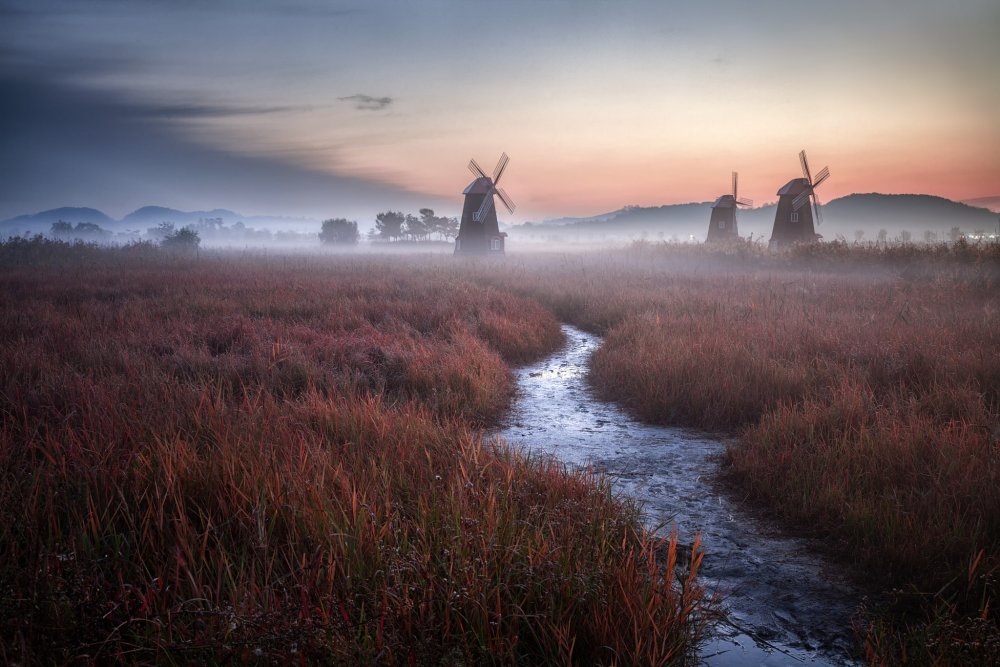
143, 217
845, 216
62, 213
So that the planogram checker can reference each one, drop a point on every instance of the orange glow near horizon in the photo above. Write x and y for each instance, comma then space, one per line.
579, 155
546, 184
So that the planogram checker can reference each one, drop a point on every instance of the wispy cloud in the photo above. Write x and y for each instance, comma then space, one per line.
181, 111
367, 102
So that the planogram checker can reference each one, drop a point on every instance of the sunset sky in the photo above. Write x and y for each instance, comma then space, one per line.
325, 108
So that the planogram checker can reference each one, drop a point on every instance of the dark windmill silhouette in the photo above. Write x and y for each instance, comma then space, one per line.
722, 224
479, 233
793, 221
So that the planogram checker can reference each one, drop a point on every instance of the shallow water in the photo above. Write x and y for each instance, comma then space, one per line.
785, 604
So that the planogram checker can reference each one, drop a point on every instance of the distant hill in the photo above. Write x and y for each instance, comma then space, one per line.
841, 217
42, 222
894, 213
665, 222
992, 203
154, 215
143, 218
639, 216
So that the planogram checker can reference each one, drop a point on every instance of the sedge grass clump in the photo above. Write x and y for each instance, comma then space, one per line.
231, 460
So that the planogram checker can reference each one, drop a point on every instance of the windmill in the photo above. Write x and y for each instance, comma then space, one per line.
793, 220
479, 232
722, 224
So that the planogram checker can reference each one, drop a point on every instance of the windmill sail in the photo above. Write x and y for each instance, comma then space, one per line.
484, 209
476, 170
487, 205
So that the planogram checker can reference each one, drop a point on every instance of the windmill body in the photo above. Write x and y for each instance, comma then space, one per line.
479, 232
795, 220
793, 225
722, 224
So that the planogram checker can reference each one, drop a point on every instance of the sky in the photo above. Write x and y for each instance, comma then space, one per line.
324, 109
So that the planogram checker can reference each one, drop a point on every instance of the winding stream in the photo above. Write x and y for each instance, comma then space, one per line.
785, 604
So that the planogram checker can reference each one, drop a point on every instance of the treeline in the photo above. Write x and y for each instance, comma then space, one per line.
397, 226
164, 234
211, 230
391, 226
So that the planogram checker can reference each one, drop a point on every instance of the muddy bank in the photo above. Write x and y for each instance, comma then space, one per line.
786, 605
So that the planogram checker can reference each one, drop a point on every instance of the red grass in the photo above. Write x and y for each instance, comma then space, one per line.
221, 459
868, 404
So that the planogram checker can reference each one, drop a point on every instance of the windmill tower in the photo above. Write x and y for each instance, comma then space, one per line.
722, 224
479, 233
793, 221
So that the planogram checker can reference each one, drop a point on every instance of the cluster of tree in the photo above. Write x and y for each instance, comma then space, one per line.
395, 226
183, 239
84, 231
214, 230
339, 231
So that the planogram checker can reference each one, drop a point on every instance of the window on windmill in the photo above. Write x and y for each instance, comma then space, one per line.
722, 224
795, 216
494, 244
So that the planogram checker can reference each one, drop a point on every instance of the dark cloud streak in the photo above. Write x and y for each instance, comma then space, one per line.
191, 111
367, 102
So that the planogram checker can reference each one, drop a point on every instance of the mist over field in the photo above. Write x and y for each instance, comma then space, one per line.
856, 218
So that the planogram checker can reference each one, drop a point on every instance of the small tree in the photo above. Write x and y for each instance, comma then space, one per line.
449, 228
84, 231
62, 229
905, 236
90, 231
389, 224
445, 228
883, 234
930, 237
339, 231
858, 235
161, 231
415, 227
184, 239
431, 223
954, 234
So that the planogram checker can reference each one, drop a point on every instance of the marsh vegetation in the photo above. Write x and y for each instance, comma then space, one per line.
216, 456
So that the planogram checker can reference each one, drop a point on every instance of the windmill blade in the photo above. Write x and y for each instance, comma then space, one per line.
818, 215
743, 201
484, 208
476, 170
501, 165
801, 199
823, 174
735, 182
507, 201
805, 166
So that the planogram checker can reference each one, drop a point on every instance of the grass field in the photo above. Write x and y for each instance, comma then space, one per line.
213, 456
224, 459
864, 385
